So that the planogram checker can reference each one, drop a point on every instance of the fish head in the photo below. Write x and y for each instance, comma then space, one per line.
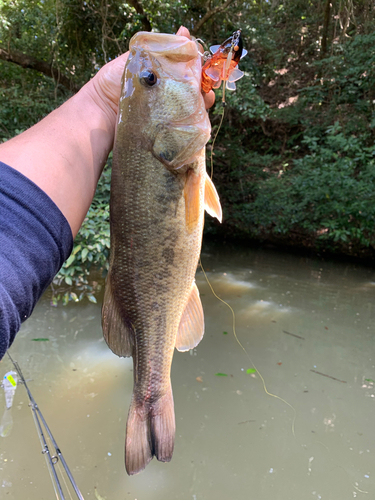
162, 94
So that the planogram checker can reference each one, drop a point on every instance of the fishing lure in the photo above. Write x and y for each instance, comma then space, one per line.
9, 385
222, 65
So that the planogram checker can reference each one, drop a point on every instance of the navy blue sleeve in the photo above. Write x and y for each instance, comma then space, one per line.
35, 240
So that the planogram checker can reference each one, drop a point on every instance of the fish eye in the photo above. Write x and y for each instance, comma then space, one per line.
148, 78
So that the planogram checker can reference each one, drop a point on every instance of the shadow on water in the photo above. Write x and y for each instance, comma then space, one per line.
307, 325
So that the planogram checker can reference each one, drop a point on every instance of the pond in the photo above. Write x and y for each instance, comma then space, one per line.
308, 327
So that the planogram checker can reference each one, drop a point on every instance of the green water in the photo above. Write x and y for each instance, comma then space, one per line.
308, 327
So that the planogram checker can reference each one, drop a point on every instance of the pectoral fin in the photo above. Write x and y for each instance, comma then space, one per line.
118, 335
211, 200
175, 145
193, 202
191, 329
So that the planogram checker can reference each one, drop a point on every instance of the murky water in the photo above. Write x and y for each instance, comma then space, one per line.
307, 325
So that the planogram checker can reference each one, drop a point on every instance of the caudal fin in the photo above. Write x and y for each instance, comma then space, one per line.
150, 431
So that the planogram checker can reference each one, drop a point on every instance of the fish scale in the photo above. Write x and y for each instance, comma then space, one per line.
151, 303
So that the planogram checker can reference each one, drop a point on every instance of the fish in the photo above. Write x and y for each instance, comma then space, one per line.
222, 65
159, 192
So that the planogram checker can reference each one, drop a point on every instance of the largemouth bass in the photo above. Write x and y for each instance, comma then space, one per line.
158, 195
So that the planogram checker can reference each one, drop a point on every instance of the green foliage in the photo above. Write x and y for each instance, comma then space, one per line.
328, 195
303, 135
294, 159
90, 251
24, 101
345, 88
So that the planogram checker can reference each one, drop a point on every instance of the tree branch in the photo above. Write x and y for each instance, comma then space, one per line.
144, 19
209, 14
30, 62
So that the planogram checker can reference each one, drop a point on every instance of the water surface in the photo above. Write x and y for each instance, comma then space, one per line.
307, 325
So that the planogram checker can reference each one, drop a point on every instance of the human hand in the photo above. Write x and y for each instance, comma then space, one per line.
209, 98
75, 139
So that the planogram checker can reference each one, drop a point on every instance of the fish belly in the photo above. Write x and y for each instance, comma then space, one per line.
154, 256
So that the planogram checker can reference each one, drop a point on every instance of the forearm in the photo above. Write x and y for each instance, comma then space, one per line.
35, 240
64, 154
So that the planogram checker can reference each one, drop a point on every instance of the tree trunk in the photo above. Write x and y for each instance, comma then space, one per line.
30, 62
146, 25
327, 16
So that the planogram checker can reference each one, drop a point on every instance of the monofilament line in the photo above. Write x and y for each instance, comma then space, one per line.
243, 348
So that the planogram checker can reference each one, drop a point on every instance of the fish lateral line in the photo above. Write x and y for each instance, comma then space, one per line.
245, 351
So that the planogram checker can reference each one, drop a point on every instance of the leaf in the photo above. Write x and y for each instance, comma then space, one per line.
370, 380
220, 374
84, 254
70, 260
77, 248
65, 299
225, 333
251, 370
92, 299
68, 280
40, 340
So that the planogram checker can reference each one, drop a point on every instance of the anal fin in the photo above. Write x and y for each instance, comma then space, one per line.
191, 329
211, 200
118, 335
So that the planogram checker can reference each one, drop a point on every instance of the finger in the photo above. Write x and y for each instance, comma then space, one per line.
182, 31
209, 99
108, 80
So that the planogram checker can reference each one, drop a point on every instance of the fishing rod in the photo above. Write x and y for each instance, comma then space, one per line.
52, 461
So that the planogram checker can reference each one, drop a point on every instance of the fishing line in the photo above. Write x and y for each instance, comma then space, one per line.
217, 132
354, 485
52, 461
245, 351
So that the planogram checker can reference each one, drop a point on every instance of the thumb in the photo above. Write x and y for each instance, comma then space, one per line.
107, 82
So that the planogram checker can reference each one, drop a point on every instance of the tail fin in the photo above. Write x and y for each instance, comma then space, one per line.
150, 431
